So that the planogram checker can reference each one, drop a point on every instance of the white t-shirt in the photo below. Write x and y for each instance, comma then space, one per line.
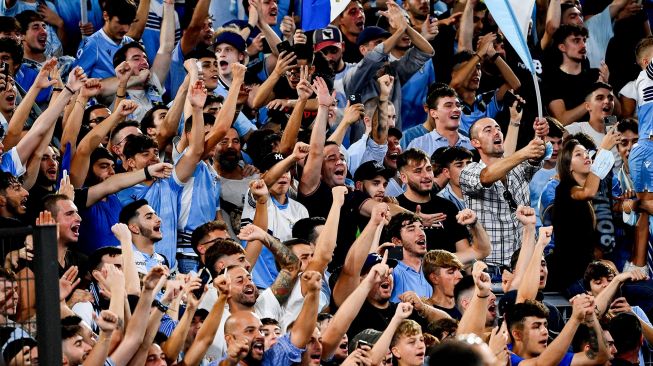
266, 306
295, 301
587, 129
281, 218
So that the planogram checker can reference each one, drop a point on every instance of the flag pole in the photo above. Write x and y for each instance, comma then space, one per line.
538, 97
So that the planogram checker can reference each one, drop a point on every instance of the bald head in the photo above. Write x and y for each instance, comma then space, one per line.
239, 321
473, 130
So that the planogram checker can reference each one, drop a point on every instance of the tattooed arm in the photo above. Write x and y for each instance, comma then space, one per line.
288, 268
597, 352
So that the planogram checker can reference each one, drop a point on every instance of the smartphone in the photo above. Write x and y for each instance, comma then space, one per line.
610, 121
204, 277
396, 252
509, 99
361, 343
354, 99
500, 321
284, 47
5, 71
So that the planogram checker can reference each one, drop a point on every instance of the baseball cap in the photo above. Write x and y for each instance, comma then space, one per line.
374, 259
269, 161
231, 38
370, 170
325, 37
442, 259
371, 33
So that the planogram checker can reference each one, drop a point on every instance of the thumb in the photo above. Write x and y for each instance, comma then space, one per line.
418, 210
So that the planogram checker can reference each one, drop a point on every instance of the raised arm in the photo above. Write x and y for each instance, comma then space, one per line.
170, 124
226, 115
525, 215
108, 322
124, 236
481, 245
265, 91
604, 299
510, 79
553, 15
161, 64
349, 309
17, 121
121, 181
28, 144
500, 168
191, 36
473, 320
380, 124
466, 30
299, 153
304, 91
138, 26
530, 282
138, 322
601, 165
326, 242
381, 346
287, 260
510, 143
307, 318
173, 346
81, 160
210, 326
313, 167
352, 114
71, 128
186, 165
349, 277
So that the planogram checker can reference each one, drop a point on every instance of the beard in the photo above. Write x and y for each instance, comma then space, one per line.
148, 234
228, 160
416, 187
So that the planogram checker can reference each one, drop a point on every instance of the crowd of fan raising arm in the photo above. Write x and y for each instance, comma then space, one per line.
230, 189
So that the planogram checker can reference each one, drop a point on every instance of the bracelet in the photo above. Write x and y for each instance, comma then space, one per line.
483, 297
121, 96
249, 26
515, 124
159, 305
57, 89
68, 88
148, 176
479, 57
383, 101
494, 58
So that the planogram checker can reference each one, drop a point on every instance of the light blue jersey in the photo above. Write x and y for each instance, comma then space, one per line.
152, 32
162, 196
411, 134
242, 124
485, 105
95, 54
71, 13
644, 87
10, 162
199, 200
53, 45
413, 96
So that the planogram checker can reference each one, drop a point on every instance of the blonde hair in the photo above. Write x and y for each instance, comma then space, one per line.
406, 328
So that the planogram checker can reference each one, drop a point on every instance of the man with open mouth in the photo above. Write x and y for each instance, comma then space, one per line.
145, 227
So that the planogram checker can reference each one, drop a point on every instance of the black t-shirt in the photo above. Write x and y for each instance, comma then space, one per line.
318, 204
450, 233
35, 201
352, 53
453, 312
575, 238
572, 89
371, 317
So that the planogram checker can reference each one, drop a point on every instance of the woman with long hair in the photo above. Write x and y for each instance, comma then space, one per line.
574, 223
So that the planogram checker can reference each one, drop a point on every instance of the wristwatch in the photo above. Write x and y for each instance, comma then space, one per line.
159, 305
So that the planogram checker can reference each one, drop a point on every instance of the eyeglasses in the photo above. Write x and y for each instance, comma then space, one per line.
511, 201
97, 120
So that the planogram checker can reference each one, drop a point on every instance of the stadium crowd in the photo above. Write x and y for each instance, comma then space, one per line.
231, 189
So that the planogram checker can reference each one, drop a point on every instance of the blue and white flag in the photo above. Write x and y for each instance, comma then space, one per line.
318, 14
512, 17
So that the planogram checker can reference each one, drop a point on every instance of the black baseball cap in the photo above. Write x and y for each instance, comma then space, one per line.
370, 170
374, 259
371, 33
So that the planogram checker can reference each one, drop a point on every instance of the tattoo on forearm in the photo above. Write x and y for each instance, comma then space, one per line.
283, 285
286, 258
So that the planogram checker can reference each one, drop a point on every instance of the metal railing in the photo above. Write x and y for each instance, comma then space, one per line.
35, 309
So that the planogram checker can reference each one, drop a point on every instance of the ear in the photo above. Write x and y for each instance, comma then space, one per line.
396, 241
432, 113
131, 163
311, 70
587, 106
562, 48
395, 352
105, 16
362, 49
403, 177
433, 279
151, 131
134, 229
464, 303
516, 334
3, 201
201, 249
446, 173
358, 185
475, 143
